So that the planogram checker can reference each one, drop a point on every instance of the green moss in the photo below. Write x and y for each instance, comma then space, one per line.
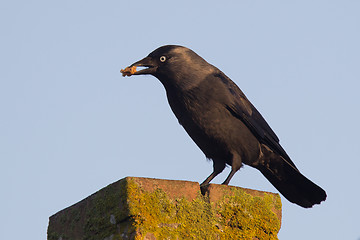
124, 210
154, 212
109, 202
236, 216
248, 217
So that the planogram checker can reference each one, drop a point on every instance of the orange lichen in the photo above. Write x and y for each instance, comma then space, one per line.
128, 71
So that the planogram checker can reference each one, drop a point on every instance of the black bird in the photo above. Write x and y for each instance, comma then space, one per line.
223, 123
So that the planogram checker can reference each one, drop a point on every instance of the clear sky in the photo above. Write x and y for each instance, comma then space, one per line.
70, 124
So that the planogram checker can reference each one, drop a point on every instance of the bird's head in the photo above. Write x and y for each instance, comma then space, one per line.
172, 65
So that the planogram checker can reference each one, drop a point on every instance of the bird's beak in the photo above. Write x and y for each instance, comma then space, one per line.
148, 63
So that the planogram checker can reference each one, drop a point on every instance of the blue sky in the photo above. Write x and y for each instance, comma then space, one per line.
70, 124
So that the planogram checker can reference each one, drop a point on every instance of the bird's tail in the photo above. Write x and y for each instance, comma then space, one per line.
294, 186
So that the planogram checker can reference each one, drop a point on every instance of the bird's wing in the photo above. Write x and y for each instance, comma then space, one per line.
241, 108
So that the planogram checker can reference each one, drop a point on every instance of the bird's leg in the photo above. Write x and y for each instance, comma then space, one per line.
218, 168
227, 180
209, 178
235, 166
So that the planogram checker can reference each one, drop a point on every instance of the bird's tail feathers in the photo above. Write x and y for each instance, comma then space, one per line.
294, 186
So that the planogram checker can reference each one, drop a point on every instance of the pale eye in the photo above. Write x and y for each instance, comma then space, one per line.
162, 59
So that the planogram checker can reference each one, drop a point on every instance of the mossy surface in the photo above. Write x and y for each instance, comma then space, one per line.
237, 215
103, 215
129, 210
109, 214
243, 216
166, 218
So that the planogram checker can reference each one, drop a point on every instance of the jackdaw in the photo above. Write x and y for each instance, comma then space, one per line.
223, 123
